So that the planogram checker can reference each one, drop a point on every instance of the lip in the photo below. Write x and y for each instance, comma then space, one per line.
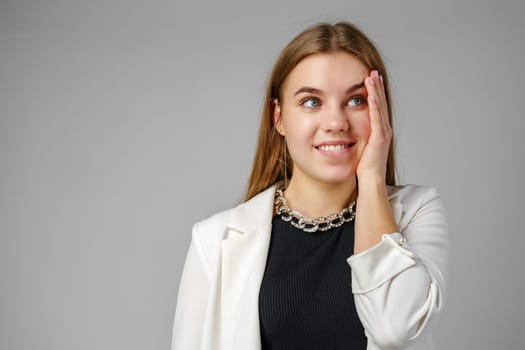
335, 143
348, 143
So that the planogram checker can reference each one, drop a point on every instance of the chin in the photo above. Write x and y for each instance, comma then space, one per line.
338, 179
330, 175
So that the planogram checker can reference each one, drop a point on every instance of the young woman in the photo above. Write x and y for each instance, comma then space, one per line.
326, 252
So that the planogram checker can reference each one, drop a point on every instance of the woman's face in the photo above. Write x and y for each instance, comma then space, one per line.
323, 114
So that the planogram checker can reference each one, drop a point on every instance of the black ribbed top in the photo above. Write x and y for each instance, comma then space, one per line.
306, 300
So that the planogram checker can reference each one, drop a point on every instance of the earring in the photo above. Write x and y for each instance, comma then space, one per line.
285, 172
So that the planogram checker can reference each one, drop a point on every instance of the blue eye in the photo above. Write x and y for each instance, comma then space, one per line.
311, 102
356, 101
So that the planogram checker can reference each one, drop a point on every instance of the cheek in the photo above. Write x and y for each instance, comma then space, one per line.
298, 127
361, 126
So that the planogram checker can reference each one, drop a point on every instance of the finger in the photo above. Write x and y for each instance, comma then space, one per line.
378, 110
375, 89
382, 91
382, 102
383, 106
381, 96
380, 85
376, 124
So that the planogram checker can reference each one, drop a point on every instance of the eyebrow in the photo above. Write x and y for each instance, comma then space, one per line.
312, 90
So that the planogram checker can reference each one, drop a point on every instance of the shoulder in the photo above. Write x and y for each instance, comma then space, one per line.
418, 206
411, 194
256, 212
207, 226
419, 203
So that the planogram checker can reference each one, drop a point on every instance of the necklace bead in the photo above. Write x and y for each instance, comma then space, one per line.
309, 225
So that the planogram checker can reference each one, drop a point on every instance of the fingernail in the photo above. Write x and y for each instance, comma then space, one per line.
376, 74
371, 81
381, 78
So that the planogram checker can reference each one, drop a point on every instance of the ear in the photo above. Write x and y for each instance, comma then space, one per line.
277, 117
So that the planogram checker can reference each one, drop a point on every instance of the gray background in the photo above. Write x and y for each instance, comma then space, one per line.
124, 122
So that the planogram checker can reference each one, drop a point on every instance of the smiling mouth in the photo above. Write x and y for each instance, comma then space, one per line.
334, 148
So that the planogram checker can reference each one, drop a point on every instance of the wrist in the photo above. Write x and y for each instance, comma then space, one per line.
371, 183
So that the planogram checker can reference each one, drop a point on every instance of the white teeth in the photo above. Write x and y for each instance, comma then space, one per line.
332, 148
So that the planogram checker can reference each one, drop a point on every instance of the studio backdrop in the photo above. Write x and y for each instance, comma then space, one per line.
122, 123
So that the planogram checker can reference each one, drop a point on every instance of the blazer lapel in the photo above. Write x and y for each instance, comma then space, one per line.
244, 253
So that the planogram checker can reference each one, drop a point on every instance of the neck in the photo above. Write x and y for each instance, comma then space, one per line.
315, 199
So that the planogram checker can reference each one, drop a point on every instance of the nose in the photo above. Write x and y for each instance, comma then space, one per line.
336, 120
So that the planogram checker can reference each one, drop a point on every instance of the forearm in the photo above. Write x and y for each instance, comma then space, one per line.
398, 287
374, 215
394, 309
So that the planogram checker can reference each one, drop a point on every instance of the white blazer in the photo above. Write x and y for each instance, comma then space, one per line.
398, 284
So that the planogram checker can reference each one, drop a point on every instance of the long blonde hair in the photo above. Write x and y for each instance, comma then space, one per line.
268, 166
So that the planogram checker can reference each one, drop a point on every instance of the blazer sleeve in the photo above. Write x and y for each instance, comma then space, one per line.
192, 298
399, 284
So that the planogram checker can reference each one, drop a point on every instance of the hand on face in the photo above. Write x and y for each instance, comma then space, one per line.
375, 155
